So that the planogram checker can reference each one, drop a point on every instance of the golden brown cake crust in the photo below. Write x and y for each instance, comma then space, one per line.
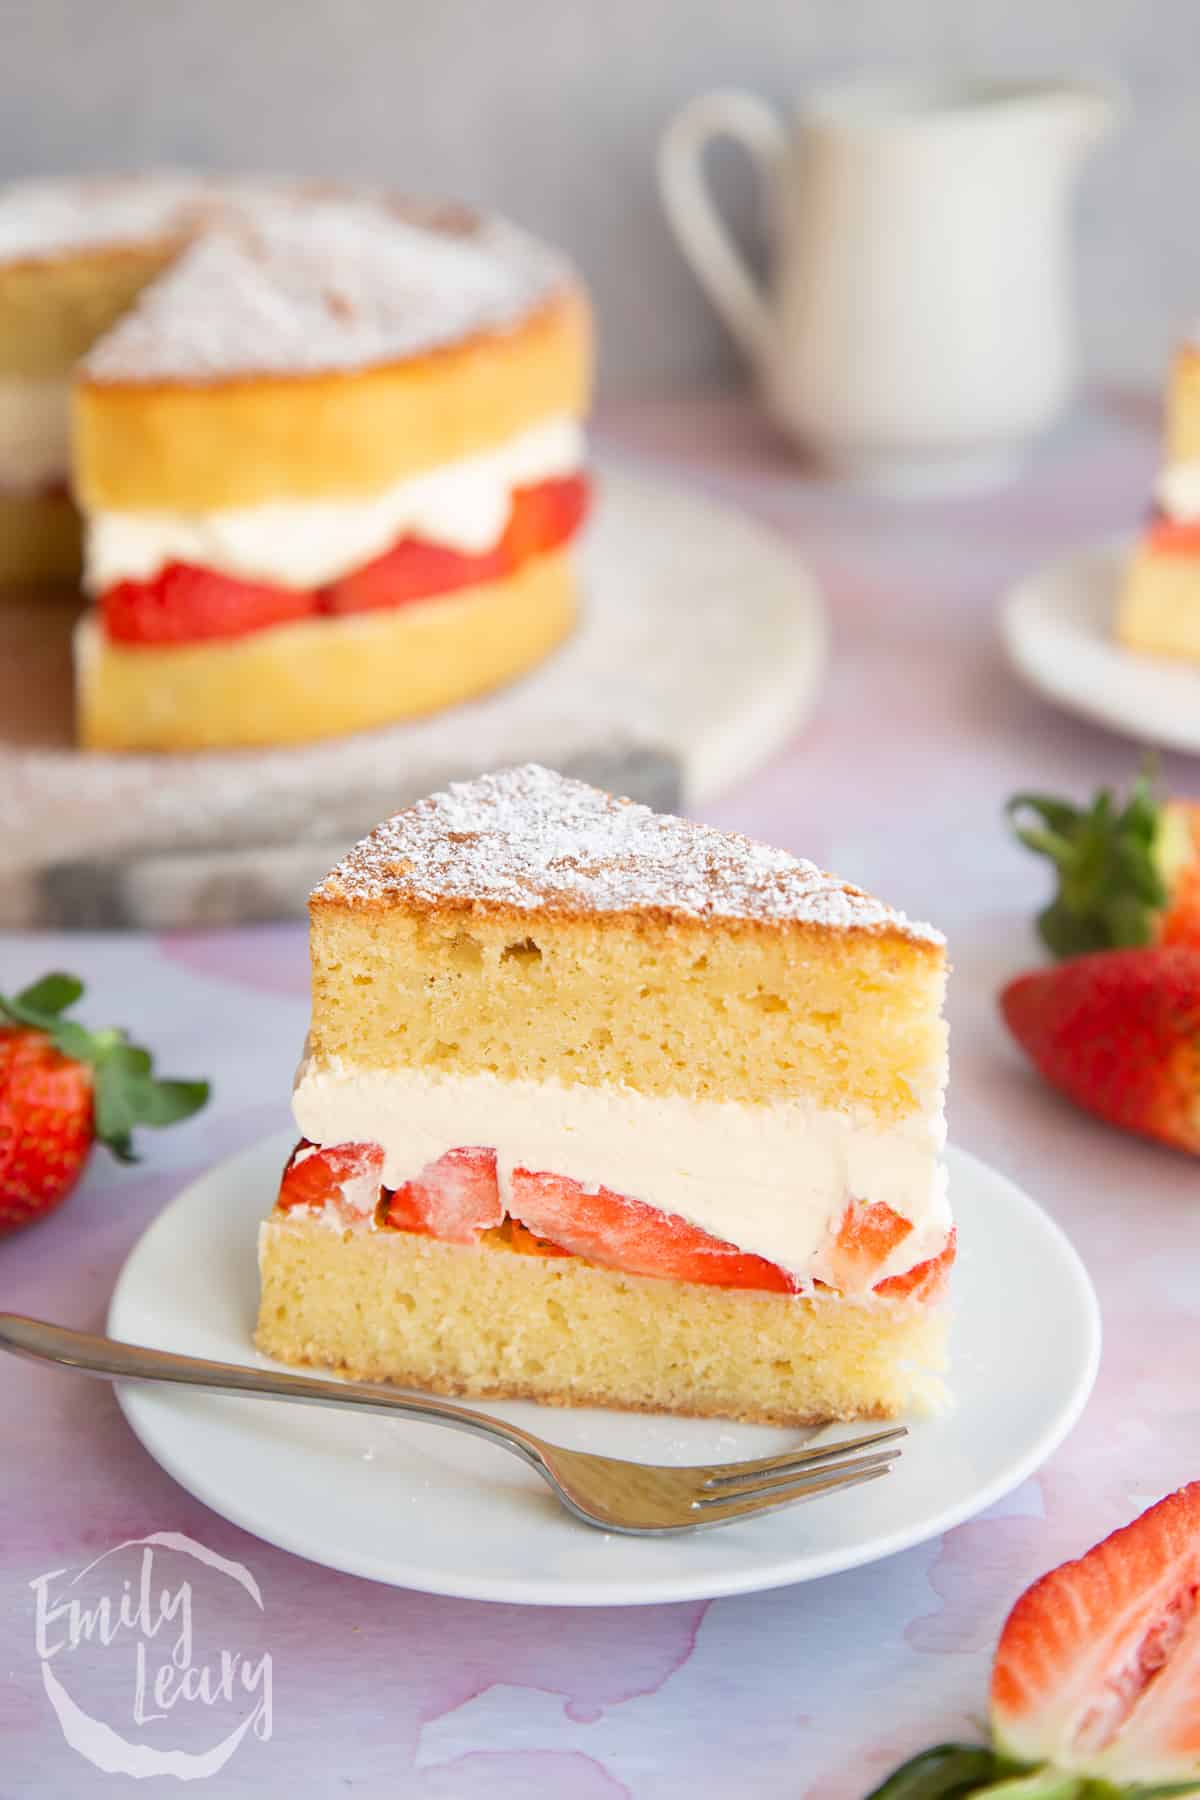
528, 841
240, 442
1183, 406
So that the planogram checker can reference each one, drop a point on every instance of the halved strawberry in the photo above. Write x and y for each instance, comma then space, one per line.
1098, 1666
454, 1198
619, 1233
346, 1177
868, 1233
186, 605
925, 1281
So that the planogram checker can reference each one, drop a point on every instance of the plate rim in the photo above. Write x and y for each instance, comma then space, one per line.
743, 1579
1026, 598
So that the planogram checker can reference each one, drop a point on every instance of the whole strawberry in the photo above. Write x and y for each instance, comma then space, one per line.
1128, 870
62, 1087
1119, 1032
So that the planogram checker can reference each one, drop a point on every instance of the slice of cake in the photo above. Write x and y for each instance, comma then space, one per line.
1159, 609
73, 255
605, 1108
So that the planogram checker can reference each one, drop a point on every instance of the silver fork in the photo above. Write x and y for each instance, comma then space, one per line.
643, 1499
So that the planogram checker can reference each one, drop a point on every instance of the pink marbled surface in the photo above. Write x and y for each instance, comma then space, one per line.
897, 781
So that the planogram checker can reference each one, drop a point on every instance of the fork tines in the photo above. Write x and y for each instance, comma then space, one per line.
738, 1490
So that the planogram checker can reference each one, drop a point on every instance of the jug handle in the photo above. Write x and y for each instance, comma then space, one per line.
699, 230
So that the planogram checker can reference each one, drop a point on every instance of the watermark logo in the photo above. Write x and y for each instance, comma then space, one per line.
151, 1657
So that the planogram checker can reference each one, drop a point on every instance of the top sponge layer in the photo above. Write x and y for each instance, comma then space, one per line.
530, 840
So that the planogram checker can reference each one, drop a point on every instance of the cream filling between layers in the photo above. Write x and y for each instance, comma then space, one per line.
772, 1179
461, 505
35, 432
1177, 492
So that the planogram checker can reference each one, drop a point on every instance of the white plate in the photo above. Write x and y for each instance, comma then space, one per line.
1058, 631
422, 1507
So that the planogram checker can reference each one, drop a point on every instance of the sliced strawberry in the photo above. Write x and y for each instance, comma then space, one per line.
868, 1233
925, 1281
454, 1198
1173, 537
346, 1177
619, 1233
1098, 1666
542, 518
545, 516
186, 605
411, 570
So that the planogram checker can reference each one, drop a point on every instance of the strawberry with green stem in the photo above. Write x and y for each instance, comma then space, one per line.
62, 1088
1096, 1680
1128, 870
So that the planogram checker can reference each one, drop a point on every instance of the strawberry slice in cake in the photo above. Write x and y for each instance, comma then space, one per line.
602, 1107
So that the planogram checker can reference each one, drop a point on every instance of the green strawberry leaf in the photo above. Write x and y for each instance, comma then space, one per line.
128, 1094
52, 994
957, 1771
946, 1772
1046, 1783
115, 1114
1107, 857
161, 1103
125, 1091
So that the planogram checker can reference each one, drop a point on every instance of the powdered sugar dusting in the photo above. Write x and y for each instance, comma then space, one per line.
304, 283
532, 839
43, 219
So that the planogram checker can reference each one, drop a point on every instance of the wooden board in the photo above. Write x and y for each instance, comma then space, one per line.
702, 647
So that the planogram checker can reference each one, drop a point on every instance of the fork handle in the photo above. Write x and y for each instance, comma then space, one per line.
113, 1360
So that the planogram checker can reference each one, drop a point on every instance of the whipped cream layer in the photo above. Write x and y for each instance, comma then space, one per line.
773, 1179
35, 432
1177, 492
461, 505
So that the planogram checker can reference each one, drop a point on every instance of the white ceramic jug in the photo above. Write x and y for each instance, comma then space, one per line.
918, 328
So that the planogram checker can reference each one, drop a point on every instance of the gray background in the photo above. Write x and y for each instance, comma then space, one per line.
551, 109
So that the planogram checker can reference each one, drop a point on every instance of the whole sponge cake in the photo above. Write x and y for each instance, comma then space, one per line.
608, 1107
328, 447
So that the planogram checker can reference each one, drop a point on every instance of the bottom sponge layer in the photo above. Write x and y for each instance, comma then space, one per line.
457, 1319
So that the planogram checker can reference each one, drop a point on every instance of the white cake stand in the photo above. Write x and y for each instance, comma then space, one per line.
702, 648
